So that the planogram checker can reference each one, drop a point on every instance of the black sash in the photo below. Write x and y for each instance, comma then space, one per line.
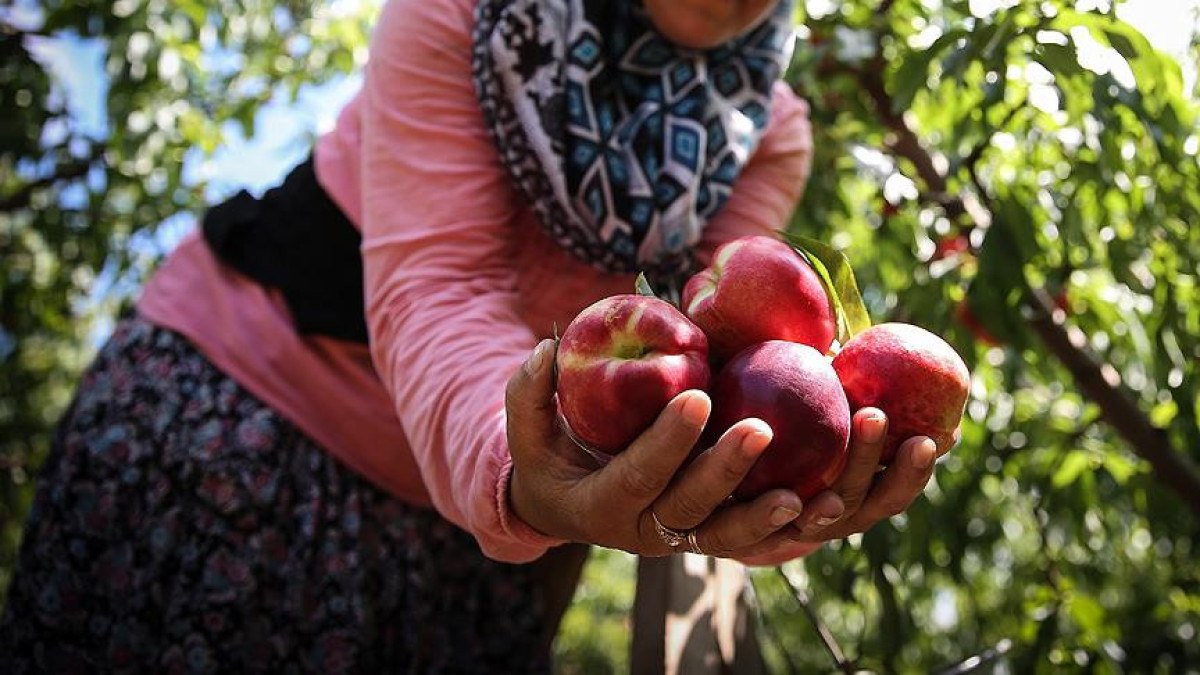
296, 239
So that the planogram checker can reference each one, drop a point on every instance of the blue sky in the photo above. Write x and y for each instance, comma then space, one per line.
254, 163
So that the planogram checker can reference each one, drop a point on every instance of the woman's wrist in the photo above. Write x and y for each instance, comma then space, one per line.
518, 503
525, 507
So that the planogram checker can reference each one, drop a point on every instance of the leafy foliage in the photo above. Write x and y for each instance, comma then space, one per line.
594, 636
840, 285
969, 166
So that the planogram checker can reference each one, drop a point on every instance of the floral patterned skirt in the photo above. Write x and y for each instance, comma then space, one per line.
180, 525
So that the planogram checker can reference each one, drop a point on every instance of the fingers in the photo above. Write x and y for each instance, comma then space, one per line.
529, 400
736, 529
897, 487
822, 510
819, 512
637, 476
901, 482
868, 430
712, 477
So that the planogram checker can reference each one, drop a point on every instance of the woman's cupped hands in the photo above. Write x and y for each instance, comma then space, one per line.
656, 498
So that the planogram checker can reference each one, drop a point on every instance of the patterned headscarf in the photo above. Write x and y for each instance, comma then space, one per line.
624, 143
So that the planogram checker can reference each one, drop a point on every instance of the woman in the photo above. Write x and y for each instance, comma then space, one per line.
244, 480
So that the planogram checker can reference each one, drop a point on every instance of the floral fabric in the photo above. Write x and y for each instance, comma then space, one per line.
181, 526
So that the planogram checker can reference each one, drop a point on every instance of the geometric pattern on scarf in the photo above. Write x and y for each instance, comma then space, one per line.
623, 143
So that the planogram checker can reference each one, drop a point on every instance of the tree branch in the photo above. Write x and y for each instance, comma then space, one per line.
1092, 376
831, 645
978, 661
772, 634
68, 171
1103, 386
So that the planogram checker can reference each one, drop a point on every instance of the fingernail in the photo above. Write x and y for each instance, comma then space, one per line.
782, 515
694, 410
872, 429
538, 359
830, 514
756, 439
924, 453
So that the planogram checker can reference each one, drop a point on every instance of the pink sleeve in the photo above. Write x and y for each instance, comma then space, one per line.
766, 193
440, 290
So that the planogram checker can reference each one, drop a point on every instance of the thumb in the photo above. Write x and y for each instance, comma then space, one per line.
529, 400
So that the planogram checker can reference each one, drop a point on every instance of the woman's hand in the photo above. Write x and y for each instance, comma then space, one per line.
871, 495
558, 489
865, 494
701, 24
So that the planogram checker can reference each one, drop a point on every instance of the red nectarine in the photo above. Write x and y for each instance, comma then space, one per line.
620, 362
759, 289
913, 376
792, 388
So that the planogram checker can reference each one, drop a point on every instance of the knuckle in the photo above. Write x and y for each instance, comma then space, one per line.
862, 462
732, 471
893, 505
764, 528
854, 498
637, 482
717, 543
689, 508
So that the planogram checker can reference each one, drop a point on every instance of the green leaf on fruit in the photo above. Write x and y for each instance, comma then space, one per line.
834, 269
642, 286
554, 357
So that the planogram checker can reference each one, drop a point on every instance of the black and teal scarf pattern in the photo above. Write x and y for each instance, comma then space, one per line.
624, 143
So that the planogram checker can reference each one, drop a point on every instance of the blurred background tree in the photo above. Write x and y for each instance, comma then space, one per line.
113, 113
1020, 177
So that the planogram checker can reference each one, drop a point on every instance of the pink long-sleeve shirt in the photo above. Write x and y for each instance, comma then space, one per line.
460, 281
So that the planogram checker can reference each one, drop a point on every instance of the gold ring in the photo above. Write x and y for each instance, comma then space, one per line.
672, 538
693, 545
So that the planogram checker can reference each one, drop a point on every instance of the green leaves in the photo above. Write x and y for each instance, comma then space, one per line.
1090, 189
913, 74
1026, 532
835, 271
641, 286
1074, 464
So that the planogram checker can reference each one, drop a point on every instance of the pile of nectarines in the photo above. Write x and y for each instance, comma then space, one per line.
762, 319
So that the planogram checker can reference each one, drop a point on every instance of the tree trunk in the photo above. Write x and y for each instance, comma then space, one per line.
692, 615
